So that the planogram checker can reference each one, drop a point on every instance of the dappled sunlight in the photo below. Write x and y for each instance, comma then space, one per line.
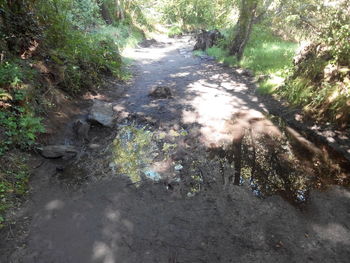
54, 205
101, 251
333, 232
180, 75
236, 87
112, 215
221, 114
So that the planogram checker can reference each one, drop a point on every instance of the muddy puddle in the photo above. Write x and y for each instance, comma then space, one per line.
142, 154
287, 165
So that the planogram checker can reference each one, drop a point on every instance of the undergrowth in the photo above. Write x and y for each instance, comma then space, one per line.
14, 177
320, 80
18, 124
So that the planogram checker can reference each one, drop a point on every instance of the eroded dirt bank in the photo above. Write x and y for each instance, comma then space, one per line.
159, 185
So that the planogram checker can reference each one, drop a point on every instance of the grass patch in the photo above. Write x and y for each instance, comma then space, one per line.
175, 31
265, 54
123, 36
222, 56
268, 54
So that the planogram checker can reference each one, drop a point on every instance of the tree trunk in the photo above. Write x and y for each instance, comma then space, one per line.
105, 12
245, 26
120, 13
237, 151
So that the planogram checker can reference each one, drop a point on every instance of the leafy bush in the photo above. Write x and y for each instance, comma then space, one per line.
10, 74
191, 14
81, 56
84, 14
20, 129
19, 126
320, 80
123, 35
337, 35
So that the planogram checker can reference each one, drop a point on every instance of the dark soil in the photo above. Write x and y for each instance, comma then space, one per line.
213, 132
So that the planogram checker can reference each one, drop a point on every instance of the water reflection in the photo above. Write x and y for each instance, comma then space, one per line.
270, 167
268, 162
271, 164
133, 150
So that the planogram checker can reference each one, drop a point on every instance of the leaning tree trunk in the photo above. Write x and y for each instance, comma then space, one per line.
245, 26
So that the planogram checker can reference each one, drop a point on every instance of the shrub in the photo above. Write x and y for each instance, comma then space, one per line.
19, 125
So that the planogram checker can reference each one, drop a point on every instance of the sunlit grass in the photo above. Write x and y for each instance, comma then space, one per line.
174, 31
265, 54
272, 83
124, 36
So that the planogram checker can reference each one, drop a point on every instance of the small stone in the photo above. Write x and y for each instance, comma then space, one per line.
94, 146
189, 194
161, 92
178, 167
58, 151
102, 113
153, 175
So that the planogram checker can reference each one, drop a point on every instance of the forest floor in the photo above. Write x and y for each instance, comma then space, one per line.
176, 201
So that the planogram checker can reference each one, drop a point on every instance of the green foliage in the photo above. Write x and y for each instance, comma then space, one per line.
320, 81
336, 36
222, 55
10, 74
123, 35
194, 14
82, 56
265, 54
20, 129
19, 126
84, 14
175, 31
14, 178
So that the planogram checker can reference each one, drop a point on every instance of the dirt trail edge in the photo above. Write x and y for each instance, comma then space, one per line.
191, 129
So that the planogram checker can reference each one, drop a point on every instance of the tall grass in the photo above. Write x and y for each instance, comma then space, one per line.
265, 54
124, 36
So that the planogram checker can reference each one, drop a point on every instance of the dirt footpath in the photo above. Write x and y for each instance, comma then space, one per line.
182, 205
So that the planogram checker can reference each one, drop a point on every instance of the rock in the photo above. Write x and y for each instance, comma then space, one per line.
153, 175
102, 113
81, 129
178, 167
161, 92
94, 146
207, 39
245, 72
262, 78
58, 151
148, 42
